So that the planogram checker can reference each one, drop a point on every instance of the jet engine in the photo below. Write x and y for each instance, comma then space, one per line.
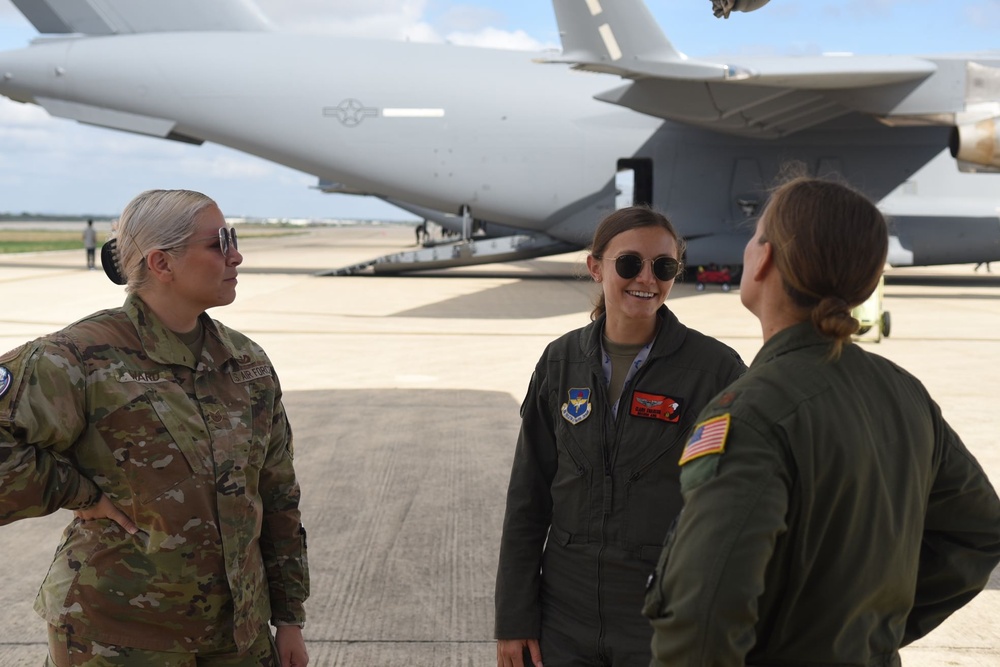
977, 143
722, 8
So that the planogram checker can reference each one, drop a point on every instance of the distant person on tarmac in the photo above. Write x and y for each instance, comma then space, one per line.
90, 243
163, 432
831, 515
594, 484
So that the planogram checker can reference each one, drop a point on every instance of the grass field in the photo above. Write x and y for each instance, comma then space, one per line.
38, 240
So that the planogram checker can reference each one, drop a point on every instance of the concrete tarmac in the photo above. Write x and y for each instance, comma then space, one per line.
403, 395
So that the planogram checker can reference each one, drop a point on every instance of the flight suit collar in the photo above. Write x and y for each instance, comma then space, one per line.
670, 335
795, 337
164, 347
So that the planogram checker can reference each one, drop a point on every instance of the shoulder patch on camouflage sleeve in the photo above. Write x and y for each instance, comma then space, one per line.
5, 380
708, 437
11, 376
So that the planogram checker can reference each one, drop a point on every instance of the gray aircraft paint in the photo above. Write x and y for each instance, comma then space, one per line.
531, 149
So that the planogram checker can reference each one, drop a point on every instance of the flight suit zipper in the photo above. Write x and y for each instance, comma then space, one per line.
610, 455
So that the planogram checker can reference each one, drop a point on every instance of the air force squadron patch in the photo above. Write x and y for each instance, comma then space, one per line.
708, 437
578, 408
5, 380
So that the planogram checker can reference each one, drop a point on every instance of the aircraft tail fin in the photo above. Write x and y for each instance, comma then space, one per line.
622, 37
116, 17
603, 35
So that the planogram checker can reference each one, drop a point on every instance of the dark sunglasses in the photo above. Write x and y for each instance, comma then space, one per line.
227, 240
629, 266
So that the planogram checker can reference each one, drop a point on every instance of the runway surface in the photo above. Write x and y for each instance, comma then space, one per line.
403, 395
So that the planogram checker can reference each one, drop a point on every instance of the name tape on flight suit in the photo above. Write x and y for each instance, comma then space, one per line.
655, 406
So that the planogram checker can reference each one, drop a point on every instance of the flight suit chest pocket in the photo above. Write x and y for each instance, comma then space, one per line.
653, 483
572, 493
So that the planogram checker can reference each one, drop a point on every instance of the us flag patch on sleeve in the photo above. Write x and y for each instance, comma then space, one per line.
708, 437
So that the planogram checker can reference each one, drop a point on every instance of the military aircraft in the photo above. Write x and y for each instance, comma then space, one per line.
524, 153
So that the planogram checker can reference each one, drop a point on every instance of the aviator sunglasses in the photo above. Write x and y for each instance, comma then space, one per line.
629, 266
227, 240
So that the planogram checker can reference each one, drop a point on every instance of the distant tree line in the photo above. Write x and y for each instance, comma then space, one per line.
52, 217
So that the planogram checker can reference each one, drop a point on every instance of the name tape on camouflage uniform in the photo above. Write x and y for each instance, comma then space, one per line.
248, 374
708, 437
142, 378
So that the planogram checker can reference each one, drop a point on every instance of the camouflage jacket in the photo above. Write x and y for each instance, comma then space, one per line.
197, 452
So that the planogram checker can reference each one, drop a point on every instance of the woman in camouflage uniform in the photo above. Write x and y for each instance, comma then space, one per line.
163, 430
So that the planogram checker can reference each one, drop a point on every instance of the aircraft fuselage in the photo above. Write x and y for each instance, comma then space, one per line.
522, 144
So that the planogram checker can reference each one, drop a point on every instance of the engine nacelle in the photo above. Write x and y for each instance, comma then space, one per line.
722, 8
978, 143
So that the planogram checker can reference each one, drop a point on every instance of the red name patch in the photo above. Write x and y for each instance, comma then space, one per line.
654, 406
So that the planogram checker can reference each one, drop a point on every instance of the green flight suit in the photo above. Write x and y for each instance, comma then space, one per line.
842, 518
591, 497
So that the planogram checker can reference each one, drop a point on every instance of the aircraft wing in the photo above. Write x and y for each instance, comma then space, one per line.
117, 17
761, 97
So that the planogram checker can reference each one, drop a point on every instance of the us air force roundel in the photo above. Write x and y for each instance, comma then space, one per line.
578, 408
5, 379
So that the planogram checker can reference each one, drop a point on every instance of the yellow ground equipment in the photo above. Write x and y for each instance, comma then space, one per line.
871, 314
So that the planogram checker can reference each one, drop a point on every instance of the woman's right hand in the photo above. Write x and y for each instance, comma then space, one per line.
510, 652
105, 509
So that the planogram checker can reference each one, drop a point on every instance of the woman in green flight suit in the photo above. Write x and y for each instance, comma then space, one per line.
594, 484
831, 515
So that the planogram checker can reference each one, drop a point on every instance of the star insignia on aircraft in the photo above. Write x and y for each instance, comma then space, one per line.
351, 112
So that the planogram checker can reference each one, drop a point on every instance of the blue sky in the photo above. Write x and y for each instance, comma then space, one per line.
57, 166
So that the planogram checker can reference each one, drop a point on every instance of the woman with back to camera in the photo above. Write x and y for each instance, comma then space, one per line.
163, 430
594, 487
831, 515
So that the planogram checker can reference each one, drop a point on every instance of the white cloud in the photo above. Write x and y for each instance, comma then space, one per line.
402, 20
982, 15
20, 115
493, 38
468, 18
229, 167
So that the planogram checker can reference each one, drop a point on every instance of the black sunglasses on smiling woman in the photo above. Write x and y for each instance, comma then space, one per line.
629, 266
